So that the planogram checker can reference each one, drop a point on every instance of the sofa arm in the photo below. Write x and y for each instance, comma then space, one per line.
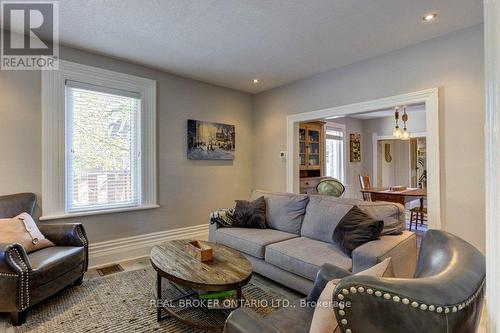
67, 234
212, 230
402, 249
417, 305
15, 271
327, 273
217, 219
244, 320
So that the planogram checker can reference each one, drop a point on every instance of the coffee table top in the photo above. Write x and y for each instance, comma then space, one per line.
226, 271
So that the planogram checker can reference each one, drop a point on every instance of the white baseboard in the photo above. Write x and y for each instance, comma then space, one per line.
121, 249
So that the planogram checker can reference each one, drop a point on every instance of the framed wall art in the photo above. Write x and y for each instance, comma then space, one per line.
355, 147
210, 141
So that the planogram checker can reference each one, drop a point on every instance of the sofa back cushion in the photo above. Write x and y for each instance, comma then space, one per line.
323, 214
284, 211
322, 217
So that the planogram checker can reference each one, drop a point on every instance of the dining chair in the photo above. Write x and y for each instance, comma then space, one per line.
418, 212
364, 182
330, 186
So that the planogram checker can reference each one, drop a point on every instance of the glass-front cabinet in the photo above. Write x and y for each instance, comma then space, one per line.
311, 149
302, 146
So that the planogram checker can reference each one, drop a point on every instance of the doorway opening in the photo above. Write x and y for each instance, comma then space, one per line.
403, 163
350, 141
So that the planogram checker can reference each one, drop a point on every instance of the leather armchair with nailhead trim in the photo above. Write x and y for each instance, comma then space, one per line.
28, 279
446, 295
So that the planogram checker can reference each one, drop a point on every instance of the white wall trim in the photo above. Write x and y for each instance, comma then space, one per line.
121, 249
100, 212
492, 169
375, 139
53, 130
429, 97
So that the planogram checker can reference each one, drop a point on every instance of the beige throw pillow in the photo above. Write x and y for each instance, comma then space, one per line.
23, 230
324, 320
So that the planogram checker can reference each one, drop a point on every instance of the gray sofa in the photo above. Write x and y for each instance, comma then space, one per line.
299, 238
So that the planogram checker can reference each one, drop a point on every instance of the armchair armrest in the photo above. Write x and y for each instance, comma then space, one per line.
67, 234
245, 320
419, 305
212, 230
15, 270
327, 273
402, 249
13, 259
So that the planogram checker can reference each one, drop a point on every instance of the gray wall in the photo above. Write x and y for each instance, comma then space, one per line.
187, 190
453, 62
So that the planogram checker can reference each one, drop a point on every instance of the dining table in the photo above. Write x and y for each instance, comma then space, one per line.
399, 196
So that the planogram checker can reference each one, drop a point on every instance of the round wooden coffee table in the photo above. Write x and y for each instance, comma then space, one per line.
227, 271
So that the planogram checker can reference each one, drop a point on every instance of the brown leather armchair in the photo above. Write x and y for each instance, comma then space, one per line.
27, 279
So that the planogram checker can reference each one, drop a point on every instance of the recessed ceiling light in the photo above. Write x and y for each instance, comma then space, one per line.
429, 17
255, 80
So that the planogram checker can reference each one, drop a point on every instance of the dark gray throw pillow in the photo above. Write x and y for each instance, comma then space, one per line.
250, 214
355, 229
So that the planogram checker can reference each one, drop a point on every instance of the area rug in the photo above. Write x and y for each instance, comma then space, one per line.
121, 302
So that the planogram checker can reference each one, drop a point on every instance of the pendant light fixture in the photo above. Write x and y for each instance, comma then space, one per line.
405, 135
397, 131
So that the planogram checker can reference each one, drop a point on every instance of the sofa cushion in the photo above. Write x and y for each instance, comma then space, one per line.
304, 256
52, 262
250, 241
284, 211
393, 215
322, 217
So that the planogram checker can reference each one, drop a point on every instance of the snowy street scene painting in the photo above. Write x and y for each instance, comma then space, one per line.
210, 141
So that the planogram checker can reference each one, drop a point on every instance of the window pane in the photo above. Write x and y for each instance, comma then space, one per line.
334, 153
101, 150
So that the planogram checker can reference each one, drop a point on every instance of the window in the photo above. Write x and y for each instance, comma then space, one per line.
334, 151
99, 142
102, 148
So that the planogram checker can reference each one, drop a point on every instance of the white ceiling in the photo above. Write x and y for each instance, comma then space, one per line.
230, 42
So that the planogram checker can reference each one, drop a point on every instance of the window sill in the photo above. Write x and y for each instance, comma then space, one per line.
99, 212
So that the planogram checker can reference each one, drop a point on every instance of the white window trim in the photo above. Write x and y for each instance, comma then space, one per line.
53, 135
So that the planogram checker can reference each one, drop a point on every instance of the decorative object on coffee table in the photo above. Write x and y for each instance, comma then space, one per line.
228, 270
199, 250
